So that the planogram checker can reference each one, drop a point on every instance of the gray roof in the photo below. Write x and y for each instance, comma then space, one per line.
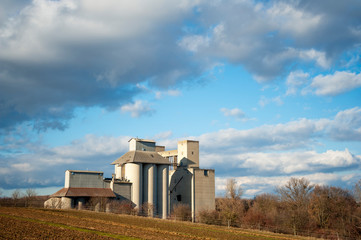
141, 157
84, 192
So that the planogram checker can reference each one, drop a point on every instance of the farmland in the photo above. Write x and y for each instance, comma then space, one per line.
36, 223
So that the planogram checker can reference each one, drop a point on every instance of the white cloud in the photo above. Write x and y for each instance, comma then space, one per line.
265, 101
22, 167
87, 54
286, 16
171, 92
295, 80
93, 145
163, 135
272, 137
335, 84
346, 126
193, 43
138, 108
235, 112
291, 163
281, 163
44, 166
318, 56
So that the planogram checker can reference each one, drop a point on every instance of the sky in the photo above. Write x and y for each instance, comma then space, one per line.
270, 89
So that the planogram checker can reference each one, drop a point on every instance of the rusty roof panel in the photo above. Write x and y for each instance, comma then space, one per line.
84, 192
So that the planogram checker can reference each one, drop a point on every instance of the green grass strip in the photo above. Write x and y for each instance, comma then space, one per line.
100, 233
241, 233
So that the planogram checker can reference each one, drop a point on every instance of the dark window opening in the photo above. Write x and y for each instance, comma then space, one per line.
179, 198
205, 172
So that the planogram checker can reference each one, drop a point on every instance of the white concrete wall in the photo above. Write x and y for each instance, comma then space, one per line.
139, 145
118, 171
53, 203
132, 144
134, 173
189, 150
67, 179
66, 203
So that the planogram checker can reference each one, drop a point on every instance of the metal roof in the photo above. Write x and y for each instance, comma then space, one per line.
141, 157
141, 140
83, 171
84, 192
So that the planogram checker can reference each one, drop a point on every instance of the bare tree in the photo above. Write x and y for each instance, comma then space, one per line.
231, 207
99, 204
30, 196
16, 195
295, 196
232, 190
263, 212
147, 209
182, 212
123, 207
357, 191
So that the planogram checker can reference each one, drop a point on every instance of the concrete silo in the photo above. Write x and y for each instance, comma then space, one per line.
134, 173
163, 176
148, 172
150, 187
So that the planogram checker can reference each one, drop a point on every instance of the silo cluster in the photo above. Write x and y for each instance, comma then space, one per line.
149, 173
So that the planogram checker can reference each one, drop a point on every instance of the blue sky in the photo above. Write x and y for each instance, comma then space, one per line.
271, 89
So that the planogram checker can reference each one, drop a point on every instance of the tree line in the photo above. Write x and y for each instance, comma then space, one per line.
19, 199
298, 208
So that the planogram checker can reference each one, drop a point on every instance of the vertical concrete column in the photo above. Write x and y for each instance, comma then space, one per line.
165, 192
193, 200
107, 208
151, 184
134, 173
162, 206
150, 187
97, 207
146, 168
81, 203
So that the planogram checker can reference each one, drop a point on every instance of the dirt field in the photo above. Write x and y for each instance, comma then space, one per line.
29, 223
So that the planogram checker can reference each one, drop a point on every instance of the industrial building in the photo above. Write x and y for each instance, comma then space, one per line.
147, 175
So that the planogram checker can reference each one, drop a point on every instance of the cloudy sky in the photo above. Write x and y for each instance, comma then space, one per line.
271, 89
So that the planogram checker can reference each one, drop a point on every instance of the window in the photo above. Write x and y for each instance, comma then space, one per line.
179, 198
205, 172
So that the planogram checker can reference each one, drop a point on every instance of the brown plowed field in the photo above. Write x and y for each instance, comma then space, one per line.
30, 223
